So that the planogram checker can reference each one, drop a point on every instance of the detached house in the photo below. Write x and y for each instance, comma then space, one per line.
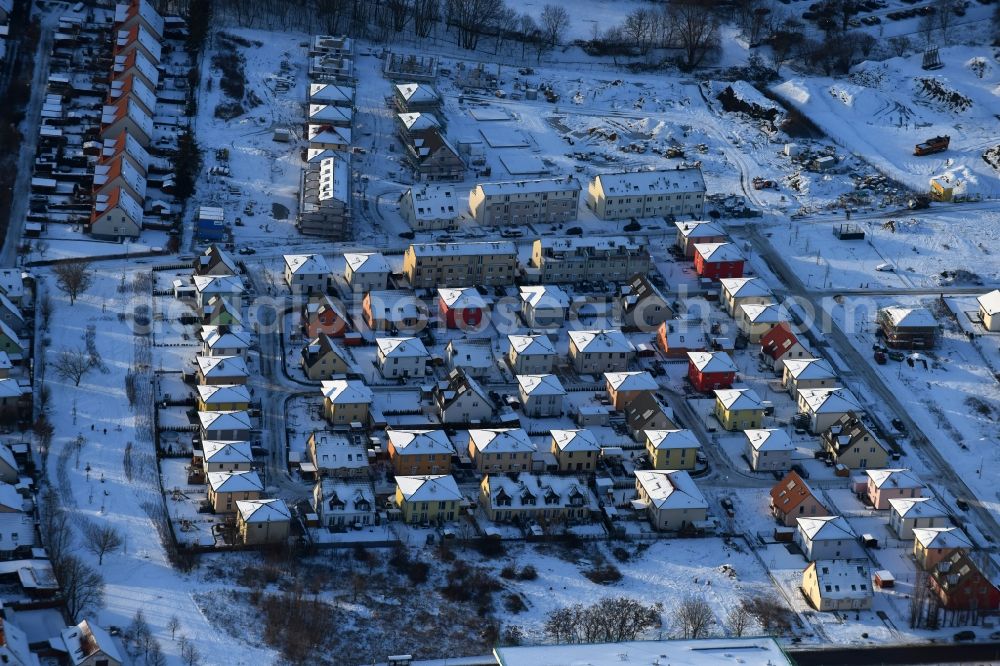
331, 93
886, 484
541, 395
215, 261
474, 357
324, 315
219, 311
460, 399
792, 499
366, 271
756, 320
850, 443
671, 499
624, 387
575, 450
544, 306
832, 585
307, 273
826, 538
769, 450
807, 373
672, 449
401, 357
740, 291
501, 450
223, 456
393, 310
416, 98
646, 412
222, 370
224, 341
596, 352
959, 583
223, 398
905, 515
227, 287
690, 233
826, 406
461, 308
431, 206
323, 358
346, 401
934, 544
543, 498
676, 339
711, 371
908, 328
779, 345
86, 644
739, 409
343, 504
226, 426
643, 305
428, 151
718, 260
336, 454
116, 215
531, 354
430, 498
226, 488
262, 521
989, 310
417, 452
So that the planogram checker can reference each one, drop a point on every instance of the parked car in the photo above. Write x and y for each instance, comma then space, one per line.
962, 504
885, 268
967, 635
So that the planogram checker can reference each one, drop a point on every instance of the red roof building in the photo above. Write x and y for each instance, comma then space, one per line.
780, 344
959, 584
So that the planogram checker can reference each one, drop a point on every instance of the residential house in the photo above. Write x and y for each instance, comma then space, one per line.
756, 320
691, 232
676, 339
779, 345
227, 287
417, 452
838, 585
138, 38
908, 328
575, 450
224, 341
135, 88
10, 343
544, 306
336, 454
325, 192
338, 46
461, 308
343, 504
826, 538
739, 409
666, 193
117, 215
135, 63
86, 643
223, 397
578, 259
541, 396
474, 357
850, 443
222, 370
501, 450
600, 351
127, 115
460, 264
791, 499
329, 114
543, 499
262, 521
531, 354
427, 150
524, 202
226, 488
959, 583
739, 291
671, 499
15, 401
646, 412
321, 314
718, 260
231, 426
393, 310
307, 273
139, 12
323, 358
934, 544
366, 271
8, 465
672, 449
624, 387
326, 141
807, 373
14, 646
643, 305
825, 406
215, 261
895, 483
5, 365
905, 515
428, 498
431, 206
460, 399
219, 311
223, 456
401, 357
711, 371
769, 450
989, 310
119, 172
331, 93
416, 98
346, 401
12, 284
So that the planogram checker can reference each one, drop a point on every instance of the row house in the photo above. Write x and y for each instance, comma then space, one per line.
344, 504
561, 260
524, 202
460, 264
666, 193
501, 450
540, 498
428, 498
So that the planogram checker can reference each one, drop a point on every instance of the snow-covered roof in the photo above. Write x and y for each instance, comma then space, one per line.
420, 442
218, 284
842, 579
335, 450
5, 362
603, 341
419, 93
83, 641
327, 93
636, 380
346, 391
535, 385
591, 245
739, 399
502, 440
367, 262
530, 345
127, 107
239, 420
894, 478
712, 361
769, 439
699, 229
327, 113
538, 491
222, 366
10, 498
826, 528
941, 537
718, 252
828, 400
917, 507
320, 134
470, 354
671, 489
235, 482
696, 652
141, 62
990, 303
263, 511
225, 337
745, 287
307, 264
545, 297
121, 199
761, 313
435, 201
488, 248
665, 181
144, 37
416, 122
224, 393
133, 85
127, 144
334, 180
534, 186
220, 451
663, 440
910, 317
10, 388
809, 368
462, 298
395, 304
7, 456
575, 440
429, 488
119, 166
401, 347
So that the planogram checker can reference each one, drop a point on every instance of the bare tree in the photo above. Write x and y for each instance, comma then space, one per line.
189, 653
471, 17
610, 620
399, 10
102, 540
425, 14
926, 27
696, 28
73, 364
773, 616
82, 587
784, 40
554, 22
738, 620
528, 29
43, 431
561, 624
155, 656
173, 624
74, 278
945, 16
899, 44
639, 29
55, 529
694, 617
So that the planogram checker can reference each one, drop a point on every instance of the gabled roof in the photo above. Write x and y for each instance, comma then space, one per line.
83, 641
663, 440
225, 337
125, 144
534, 385
745, 287
10, 498
718, 252
909, 317
917, 507
419, 93
643, 412
420, 442
638, 380
263, 511
671, 489
739, 399
790, 492
536, 491
894, 478
842, 579
530, 345
329, 93
126, 107
545, 297
323, 304
319, 134
235, 482
215, 255
759, 313
429, 488
139, 34
367, 262
222, 366
307, 264
662, 181
712, 362
462, 298
769, 439
809, 368
575, 440
990, 303
218, 284
475, 353
120, 199
8, 332
238, 420
10, 388
220, 451
140, 61
225, 393
602, 341
778, 341
941, 537
825, 528
109, 170
416, 122
144, 9
829, 400
699, 229
459, 386
401, 347
327, 113
502, 440
346, 391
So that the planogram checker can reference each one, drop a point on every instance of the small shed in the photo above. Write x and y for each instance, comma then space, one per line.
884, 578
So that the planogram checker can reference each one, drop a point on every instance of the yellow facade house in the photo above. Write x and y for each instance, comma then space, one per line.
672, 449
739, 409
428, 498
